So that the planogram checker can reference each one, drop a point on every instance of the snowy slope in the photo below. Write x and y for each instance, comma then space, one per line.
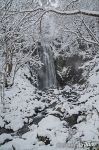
33, 119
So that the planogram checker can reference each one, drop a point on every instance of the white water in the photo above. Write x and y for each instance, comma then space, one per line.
47, 75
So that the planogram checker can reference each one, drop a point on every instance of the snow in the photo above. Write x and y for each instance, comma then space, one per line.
45, 113
23, 102
54, 3
4, 137
19, 144
30, 116
50, 122
16, 123
49, 3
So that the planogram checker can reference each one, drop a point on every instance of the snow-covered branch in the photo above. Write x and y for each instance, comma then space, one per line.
73, 12
82, 37
76, 12
13, 12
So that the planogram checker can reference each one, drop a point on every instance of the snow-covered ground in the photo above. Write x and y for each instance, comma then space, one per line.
56, 119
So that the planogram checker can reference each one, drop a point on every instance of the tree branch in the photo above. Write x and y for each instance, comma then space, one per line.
76, 12
73, 12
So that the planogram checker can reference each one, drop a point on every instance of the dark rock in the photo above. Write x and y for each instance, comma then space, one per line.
45, 139
59, 110
56, 114
71, 96
37, 119
23, 130
53, 105
5, 141
72, 73
44, 112
4, 130
97, 70
38, 98
38, 110
72, 120
40, 93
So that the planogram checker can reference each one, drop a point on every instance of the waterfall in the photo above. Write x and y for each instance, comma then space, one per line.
46, 75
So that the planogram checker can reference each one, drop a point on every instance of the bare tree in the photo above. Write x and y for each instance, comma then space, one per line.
17, 42
21, 27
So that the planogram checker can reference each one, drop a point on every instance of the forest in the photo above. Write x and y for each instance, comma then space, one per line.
49, 75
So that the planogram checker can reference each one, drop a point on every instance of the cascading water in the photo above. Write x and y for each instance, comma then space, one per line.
46, 75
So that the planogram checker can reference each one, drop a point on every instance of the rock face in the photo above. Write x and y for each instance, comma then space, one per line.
68, 71
46, 75
61, 71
